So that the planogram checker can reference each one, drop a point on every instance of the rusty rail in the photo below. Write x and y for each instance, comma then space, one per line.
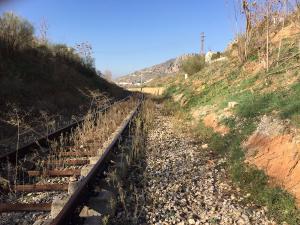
80, 195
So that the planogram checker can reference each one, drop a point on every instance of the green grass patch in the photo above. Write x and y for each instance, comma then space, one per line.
286, 102
248, 82
171, 90
253, 57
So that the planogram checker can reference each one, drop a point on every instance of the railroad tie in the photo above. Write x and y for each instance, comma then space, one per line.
54, 173
19, 207
40, 187
77, 153
69, 162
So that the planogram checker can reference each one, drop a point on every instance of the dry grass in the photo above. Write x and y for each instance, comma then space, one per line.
150, 90
95, 132
130, 198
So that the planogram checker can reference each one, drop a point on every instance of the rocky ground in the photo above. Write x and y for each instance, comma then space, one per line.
180, 182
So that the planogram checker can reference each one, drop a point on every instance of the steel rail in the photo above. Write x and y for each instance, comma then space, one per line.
80, 195
44, 140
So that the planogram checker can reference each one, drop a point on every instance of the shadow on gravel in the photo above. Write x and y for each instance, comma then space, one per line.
132, 198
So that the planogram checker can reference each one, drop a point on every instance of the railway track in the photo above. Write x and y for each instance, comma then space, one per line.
44, 141
54, 186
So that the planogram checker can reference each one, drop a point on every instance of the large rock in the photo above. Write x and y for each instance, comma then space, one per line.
86, 169
99, 207
43, 222
57, 205
72, 187
208, 56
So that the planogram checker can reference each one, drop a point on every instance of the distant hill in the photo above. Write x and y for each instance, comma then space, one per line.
169, 67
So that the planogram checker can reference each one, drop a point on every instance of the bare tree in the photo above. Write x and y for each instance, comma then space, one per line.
85, 51
243, 12
261, 18
99, 73
107, 74
43, 31
15, 32
247, 12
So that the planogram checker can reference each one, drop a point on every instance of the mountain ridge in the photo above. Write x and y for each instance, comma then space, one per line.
169, 67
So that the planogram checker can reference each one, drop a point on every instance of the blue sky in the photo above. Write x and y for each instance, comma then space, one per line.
132, 34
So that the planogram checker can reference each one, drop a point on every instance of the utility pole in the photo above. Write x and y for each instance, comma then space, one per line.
202, 44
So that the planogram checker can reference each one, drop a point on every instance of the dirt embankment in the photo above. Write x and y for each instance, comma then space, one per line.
211, 120
275, 149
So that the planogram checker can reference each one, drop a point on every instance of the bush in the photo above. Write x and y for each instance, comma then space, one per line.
216, 56
15, 32
202, 132
63, 51
193, 64
70, 56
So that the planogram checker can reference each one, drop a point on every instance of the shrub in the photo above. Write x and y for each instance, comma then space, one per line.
15, 32
253, 105
253, 58
193, 64
216, 56
63, 51
71, 57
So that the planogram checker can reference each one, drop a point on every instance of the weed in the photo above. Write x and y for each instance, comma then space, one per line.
170, 107
286, 102
202, 132
253, 57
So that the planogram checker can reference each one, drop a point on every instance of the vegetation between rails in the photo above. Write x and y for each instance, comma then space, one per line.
129, 200
92, 136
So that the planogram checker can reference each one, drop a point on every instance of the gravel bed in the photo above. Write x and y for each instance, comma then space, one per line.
180, 183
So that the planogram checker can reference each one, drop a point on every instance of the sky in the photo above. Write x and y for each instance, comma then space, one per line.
128, 35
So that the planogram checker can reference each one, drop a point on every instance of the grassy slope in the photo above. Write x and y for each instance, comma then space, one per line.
274, 93
35, 80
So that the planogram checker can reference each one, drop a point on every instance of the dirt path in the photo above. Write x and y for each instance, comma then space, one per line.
180, 183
